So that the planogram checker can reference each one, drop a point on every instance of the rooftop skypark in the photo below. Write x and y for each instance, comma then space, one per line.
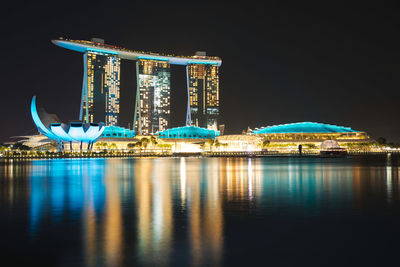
97, 45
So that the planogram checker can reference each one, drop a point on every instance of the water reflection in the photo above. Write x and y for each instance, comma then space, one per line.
154, 209
205, 211
175, 211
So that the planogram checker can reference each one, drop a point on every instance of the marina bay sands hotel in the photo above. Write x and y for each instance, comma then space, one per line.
100, 101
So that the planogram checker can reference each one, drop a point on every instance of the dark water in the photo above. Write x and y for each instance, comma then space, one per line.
196, 212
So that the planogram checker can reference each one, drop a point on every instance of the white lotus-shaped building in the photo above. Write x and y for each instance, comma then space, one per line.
71, 132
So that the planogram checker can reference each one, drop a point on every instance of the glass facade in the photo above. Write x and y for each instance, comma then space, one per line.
101, 88
154, 96
203, 83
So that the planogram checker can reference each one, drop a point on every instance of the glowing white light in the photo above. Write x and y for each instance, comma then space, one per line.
183, 181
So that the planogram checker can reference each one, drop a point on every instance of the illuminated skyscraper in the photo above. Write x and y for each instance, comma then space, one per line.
100, 94
100, 90
203, 87
153, 96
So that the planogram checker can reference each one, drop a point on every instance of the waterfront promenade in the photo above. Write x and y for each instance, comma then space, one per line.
139, 154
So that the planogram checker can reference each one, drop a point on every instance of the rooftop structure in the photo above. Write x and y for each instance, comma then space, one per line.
37, 141
304, 127
117, 132
309, 131
95, 46
188, 132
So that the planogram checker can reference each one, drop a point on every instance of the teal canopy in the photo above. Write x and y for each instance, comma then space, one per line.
118, 132
188, 132
303, 127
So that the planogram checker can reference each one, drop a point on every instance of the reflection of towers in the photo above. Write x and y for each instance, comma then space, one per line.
113, 220
242, 179
203, 87
143, 199
153, 96
100, 90
154, 208
103, 242
205, 219
213, 215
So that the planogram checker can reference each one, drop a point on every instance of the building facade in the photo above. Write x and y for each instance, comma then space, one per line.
153, 96
101, 88
203, 89
310, 132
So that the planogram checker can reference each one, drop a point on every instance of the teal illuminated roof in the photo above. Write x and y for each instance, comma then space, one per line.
188, 132
304, 127
117, 132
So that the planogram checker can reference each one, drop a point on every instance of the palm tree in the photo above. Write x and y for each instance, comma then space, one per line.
153, 141
217, 144
265, 143
145, 142
113, 146
142, 144
138, 144
101, 145
131, 145
210, 142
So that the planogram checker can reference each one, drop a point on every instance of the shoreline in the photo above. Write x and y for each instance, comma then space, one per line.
257, 154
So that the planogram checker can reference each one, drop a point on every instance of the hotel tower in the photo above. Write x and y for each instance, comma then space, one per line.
100, 89
203, 87
101, 86
153, 96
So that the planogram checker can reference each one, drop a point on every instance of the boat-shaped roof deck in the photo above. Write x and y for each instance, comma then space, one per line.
84, 46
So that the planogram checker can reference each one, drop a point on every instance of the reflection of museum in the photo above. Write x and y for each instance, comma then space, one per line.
165, 193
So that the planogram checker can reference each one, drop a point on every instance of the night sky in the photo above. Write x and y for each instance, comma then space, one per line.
281, 63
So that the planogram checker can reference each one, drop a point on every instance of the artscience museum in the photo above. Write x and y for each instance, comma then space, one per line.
50, 126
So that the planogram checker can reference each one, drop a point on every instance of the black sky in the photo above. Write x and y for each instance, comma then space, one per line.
331, 62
